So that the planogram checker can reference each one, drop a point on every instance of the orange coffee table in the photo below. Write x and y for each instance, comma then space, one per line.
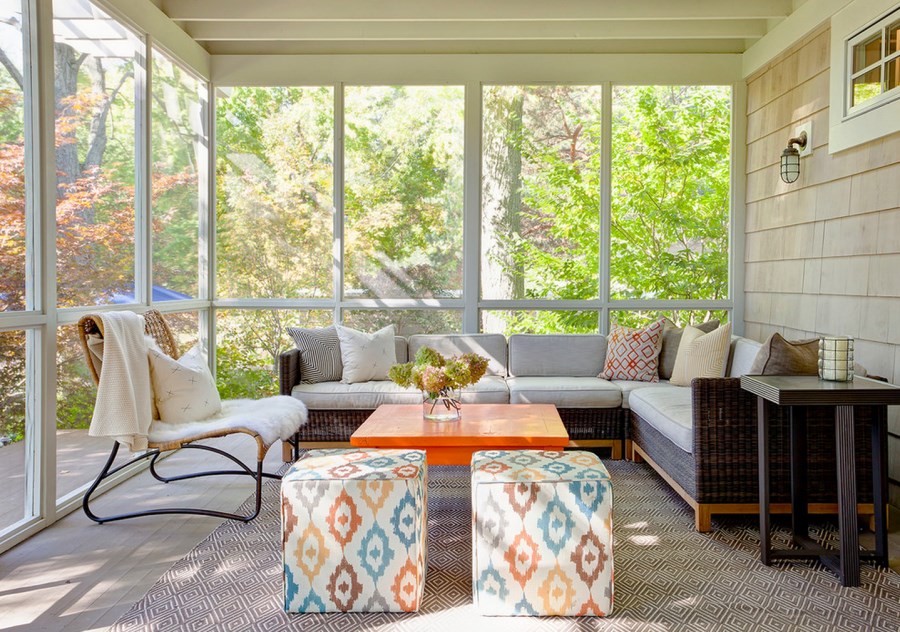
482, 427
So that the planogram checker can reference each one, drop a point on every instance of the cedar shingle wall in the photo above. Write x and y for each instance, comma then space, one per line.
822, 254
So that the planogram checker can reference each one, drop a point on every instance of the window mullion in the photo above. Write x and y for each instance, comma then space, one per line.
472, 208
337, 247
605, 203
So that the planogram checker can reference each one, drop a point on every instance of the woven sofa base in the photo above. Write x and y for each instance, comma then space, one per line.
729, 474
581, 423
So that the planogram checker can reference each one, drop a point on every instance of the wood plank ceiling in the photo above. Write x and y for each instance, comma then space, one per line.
247, 27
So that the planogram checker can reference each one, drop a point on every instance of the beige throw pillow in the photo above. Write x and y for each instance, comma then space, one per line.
183, 389
779, 356
671, 338
366, 356
701, 355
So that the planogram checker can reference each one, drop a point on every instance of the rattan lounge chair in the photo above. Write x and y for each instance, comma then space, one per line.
90, 330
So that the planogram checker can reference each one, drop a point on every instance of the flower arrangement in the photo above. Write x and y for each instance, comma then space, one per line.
437, 377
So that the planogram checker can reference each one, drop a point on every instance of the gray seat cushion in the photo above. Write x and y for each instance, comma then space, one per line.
668, 410
359, 396
491, 346
565, 392
556, 355
629, 386
370, 395
491, 389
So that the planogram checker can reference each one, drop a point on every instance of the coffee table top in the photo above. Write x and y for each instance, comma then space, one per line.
487, 425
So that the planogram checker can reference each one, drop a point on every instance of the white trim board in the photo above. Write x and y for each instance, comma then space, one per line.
788, 32
299, 70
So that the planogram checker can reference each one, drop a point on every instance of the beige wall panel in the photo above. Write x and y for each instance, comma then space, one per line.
838, 315
792, 207
804, 100
888, 232
775, 276
812, 276
845, 275
884, 278
876, 190
875, 318
854, 235
794, 311
757, 306
833, 199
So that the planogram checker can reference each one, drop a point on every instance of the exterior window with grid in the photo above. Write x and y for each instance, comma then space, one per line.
873, 65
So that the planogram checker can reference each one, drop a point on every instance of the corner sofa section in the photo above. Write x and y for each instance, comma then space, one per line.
702, 440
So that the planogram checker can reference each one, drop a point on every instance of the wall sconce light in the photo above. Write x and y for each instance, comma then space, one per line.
790, 158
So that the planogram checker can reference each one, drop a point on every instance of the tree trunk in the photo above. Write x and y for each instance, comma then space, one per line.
97, 138
502, 200
68, 61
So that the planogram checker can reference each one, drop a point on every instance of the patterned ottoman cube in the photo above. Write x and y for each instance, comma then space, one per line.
353, 523
541, 533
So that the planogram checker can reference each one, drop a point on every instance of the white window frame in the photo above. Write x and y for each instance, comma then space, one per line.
879, 29
876, 117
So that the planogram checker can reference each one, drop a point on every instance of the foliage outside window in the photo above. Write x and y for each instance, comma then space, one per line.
541, 172
406, 321
274, 174
95, 155
670, 192
13, 238
681, 317
874, 64
248, 343
545, 321
403, 191
178, 109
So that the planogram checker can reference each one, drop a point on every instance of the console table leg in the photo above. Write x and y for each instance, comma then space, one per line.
880, 484
765, 544
846, 480
799, 507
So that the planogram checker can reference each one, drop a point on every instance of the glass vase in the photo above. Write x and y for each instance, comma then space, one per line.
444, 407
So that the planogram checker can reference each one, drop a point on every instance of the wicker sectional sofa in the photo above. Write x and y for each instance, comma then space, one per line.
701, 439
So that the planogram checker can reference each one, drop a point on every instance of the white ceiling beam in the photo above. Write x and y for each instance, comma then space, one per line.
414, 31
392, 10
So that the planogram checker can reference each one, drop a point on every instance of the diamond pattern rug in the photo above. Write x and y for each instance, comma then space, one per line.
667, 576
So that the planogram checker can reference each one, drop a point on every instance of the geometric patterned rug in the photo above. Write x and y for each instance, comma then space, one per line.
667, 576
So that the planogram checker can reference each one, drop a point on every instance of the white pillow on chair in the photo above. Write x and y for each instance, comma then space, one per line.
184, 389
366, 356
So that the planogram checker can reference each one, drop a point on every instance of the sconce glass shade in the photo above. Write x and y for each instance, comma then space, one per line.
790, 165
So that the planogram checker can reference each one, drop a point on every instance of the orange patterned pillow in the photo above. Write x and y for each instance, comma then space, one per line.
633, 354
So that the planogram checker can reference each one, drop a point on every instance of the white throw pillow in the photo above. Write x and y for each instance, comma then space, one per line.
701, 354
366, 356
184, 389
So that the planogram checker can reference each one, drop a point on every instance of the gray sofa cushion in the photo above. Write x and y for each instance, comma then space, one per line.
359, 396
491, 346
400, 348
629, 386
741, 356
668, 410
370, 395
491, 389
556, 355
565, 392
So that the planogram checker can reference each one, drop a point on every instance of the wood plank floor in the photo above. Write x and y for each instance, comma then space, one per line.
77, 576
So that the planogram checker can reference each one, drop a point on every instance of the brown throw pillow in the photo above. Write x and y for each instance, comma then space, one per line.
670, 341
787, 357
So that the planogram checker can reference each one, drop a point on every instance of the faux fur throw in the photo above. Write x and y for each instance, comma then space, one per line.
124, 396
273, 418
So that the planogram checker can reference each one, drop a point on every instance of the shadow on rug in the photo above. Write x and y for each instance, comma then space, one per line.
667, 576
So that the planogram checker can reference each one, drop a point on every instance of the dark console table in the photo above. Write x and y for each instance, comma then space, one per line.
798, 392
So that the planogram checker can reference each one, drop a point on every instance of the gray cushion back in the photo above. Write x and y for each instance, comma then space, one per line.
556, 355
741, 356
400, 346
491, 346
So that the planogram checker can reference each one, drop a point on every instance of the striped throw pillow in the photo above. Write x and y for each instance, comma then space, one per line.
701, 355
320, 354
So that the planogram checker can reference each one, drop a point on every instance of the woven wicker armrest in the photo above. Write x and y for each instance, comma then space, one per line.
288, 370
725, 446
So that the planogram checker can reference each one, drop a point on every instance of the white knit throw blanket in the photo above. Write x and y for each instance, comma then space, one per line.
123, 407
